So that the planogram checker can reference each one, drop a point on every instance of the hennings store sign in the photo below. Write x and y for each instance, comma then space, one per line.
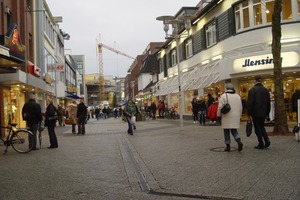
264, 62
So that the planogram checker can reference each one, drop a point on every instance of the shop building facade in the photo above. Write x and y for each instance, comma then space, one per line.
230, 41
31, 57
19, 75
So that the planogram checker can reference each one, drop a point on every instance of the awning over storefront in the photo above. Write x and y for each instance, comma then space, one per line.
20, 77
72, 95
200, 77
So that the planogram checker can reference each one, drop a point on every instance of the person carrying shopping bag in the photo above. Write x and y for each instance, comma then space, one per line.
231, 119
130, 111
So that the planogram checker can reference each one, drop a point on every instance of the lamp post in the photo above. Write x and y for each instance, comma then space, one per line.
170, 20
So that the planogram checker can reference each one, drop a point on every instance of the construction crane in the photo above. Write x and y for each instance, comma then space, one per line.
101, 75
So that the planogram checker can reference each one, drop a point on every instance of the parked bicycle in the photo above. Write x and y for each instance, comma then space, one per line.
171, 114
20, 139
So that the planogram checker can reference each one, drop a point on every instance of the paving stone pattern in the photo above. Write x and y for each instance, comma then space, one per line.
157, 162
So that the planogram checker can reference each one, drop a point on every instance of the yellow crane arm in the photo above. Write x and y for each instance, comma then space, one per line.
114, 50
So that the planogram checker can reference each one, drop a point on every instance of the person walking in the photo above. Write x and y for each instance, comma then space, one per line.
209, 101
195, 109
81, 115
32, 114
231, 120
130, 110
153, 110
51, 116
97, 113
161, 109
202, 111
258, 106
295, 97
61, 115
72, 110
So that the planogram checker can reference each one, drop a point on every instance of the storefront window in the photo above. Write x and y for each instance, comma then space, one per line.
13, 103
290, 84
188, 97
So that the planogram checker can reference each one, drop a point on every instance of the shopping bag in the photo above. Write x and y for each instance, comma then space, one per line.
133, 119
249, 127
69, 121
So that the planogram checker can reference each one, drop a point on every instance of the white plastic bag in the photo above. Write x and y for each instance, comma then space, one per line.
133, 119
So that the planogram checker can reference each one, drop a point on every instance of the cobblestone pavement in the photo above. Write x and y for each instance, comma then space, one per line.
157, 162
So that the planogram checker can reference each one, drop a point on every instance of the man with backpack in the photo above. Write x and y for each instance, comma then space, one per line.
32, 114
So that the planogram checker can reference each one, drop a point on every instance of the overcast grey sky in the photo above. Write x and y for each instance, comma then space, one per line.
127, 25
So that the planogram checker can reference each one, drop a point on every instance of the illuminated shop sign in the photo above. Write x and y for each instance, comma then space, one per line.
12, 41
264, 62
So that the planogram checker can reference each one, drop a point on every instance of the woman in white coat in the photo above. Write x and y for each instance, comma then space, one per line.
231, 120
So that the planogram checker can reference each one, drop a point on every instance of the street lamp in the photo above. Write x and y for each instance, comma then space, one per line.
170, 20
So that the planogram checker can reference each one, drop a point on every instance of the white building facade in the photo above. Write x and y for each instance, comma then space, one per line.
230, 41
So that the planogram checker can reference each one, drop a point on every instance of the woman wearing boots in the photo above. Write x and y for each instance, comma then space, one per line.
231, 120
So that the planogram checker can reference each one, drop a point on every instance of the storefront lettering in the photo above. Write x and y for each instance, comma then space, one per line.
249, 62
265, 62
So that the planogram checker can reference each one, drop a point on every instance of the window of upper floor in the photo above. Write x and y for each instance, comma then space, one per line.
189, 48
160, 66
173, 57
255, 13
211, 34
49, 30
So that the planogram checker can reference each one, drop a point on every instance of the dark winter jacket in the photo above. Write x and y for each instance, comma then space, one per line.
202, 105
33, 109
195, 106
81, 110
50, 112
295, 98
258, 104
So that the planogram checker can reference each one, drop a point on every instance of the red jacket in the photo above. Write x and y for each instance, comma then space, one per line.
212, 111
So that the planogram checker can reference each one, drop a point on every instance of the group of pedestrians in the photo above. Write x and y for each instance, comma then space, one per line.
258, 107
205, 109
33, 116
77, 114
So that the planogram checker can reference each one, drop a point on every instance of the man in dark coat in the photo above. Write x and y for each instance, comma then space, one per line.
32, 114
82, 116
258, 106
295, 98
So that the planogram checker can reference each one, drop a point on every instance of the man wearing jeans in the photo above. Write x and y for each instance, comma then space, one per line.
258, 106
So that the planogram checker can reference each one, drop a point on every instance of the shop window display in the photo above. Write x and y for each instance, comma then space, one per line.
13, 101
289, 86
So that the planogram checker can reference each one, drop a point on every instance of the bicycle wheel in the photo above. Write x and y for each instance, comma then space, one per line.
22, 141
